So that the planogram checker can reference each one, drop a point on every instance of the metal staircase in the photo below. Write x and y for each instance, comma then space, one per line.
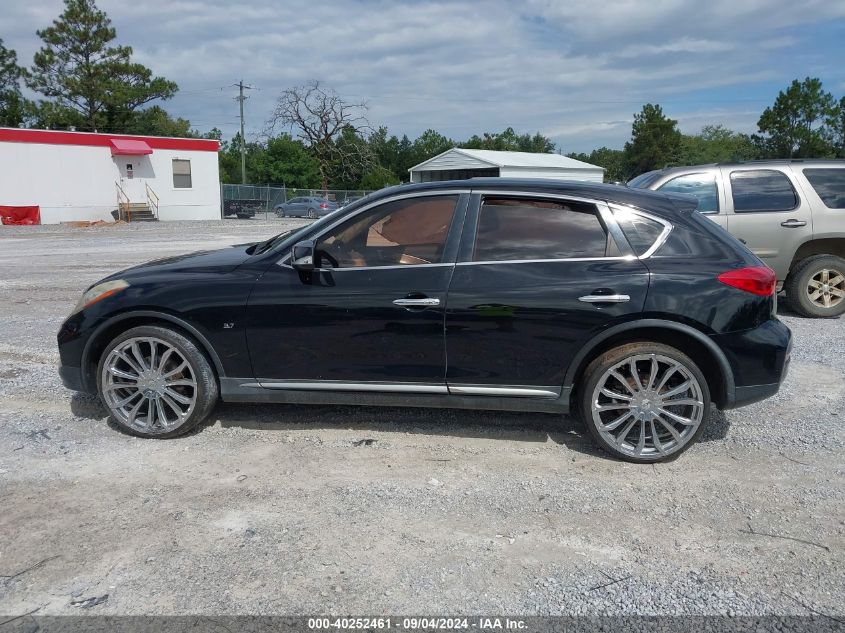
128, 211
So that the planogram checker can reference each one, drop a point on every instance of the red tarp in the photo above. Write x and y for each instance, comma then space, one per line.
129, 147
20, 215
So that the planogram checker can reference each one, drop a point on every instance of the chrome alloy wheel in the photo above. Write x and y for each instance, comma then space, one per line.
648, 405
149, 385
826, 288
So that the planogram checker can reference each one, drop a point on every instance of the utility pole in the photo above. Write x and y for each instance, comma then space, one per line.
241, 98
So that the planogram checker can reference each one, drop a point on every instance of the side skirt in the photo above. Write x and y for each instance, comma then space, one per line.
247, 390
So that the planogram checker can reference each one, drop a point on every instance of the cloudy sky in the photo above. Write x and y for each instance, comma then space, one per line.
574, 70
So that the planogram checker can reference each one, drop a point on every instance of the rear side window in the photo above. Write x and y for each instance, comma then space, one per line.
640, 231
829, 184
760, 190
520, 229
702, 186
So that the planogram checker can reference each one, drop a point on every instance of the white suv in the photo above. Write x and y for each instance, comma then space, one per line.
791, 213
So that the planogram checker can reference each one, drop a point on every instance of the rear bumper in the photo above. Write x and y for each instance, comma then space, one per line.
759, 359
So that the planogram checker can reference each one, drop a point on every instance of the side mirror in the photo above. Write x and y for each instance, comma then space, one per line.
303, 255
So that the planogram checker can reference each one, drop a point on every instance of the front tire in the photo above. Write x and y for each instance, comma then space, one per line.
644, 402
816, 286
156, 382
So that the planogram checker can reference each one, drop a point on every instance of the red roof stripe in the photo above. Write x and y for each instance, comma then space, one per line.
88, 139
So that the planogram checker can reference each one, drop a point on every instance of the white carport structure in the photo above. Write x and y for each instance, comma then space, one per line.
457, 164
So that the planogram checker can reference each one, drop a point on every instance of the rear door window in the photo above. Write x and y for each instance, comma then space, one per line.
829, 184
760, 190
702, 186
531, 229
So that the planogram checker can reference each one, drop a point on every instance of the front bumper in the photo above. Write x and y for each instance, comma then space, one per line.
71, 377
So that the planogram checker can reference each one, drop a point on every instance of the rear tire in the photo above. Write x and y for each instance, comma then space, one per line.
156, 382
630, 415
816, 286
312, 214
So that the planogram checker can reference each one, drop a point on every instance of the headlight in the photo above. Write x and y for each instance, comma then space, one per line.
100, 292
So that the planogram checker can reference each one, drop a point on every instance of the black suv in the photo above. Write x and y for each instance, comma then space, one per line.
625, 305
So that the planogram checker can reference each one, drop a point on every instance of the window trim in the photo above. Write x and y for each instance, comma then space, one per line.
783, 173
458, 220
698, 173
605, 216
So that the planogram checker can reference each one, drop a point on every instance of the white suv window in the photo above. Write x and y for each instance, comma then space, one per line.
702, 186
761, 190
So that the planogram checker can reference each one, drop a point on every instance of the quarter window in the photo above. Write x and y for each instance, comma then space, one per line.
759, 190
181, 174
702, 186
403, 232
829, 184
640, 231
519, 229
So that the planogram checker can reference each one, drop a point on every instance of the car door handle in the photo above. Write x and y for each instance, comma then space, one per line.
417, 303
792, 223
604, 298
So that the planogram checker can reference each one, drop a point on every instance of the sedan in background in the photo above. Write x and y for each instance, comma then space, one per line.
305, 207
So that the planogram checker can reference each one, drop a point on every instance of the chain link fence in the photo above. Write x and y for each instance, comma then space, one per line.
261, 201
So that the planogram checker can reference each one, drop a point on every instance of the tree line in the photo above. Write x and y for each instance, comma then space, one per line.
314, 138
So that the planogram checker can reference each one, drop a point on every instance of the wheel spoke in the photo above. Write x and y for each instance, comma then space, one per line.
620, 439
826, 297
182, 382
621, 380
119, 373
175, 407
127, 399
132, 365
153, 346
612, 394
632, 366
668, 426
133, 412
815, 284
836, 280
162, 416
652, 376
136, 352
825, 274
684, 386
612, 426
151, 415
611, 406
682, 402
676, 417
178, 397
836, 292
671, 371
173, 372
164, 358
641, 442
656, 440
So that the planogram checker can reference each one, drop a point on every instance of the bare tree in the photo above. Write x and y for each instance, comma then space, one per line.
320, 118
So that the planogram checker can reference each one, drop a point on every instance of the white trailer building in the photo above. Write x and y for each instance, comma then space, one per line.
84, 176
457, 164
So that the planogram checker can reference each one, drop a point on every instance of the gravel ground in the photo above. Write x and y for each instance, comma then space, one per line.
275, 510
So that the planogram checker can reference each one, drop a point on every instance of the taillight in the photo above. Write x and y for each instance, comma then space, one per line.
323, 205
758, 280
